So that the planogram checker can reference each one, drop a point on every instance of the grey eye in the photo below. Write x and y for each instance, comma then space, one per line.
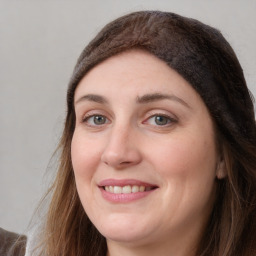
162, 120
98, 120
95, 120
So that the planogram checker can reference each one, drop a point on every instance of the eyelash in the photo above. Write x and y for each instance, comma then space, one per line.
167, 118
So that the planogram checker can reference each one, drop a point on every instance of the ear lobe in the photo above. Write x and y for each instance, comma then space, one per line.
221, 171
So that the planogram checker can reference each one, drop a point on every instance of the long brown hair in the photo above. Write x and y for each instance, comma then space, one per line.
204, 58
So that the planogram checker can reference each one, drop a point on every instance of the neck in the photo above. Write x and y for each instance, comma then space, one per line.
177, 246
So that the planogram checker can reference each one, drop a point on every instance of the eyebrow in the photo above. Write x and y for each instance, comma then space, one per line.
147, 98
94, 98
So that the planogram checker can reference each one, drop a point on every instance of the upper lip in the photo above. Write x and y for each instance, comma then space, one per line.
124, 182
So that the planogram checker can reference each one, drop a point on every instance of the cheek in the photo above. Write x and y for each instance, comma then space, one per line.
85, 157
188, 171
187, 159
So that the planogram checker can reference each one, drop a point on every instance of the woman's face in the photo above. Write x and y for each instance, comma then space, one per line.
143, 151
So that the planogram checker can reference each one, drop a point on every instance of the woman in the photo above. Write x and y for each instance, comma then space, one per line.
158, 150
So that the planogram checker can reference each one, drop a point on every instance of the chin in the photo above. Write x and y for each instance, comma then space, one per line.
133, 238
128, 232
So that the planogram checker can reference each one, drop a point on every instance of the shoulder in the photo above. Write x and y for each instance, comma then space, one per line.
12, 244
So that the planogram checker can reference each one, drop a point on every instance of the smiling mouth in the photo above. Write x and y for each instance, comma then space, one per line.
128, 189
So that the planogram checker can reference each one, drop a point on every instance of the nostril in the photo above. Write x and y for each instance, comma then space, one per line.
120, 157
126, 162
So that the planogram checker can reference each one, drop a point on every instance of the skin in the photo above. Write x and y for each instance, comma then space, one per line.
178, 155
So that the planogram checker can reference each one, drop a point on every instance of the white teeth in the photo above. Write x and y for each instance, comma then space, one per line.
135, 189
126, 189
142, 188
117, 190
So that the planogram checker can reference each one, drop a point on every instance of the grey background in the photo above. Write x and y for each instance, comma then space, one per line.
39, 44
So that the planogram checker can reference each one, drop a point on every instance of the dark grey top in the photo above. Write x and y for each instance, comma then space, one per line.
12, 244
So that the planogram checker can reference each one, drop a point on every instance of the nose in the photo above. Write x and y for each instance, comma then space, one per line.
122, 149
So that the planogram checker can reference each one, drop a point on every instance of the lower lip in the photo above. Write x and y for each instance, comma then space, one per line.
124, 198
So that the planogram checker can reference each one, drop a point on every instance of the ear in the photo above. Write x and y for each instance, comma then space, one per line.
221, 170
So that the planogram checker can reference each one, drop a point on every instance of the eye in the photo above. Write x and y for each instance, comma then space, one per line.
95, 120
160, 120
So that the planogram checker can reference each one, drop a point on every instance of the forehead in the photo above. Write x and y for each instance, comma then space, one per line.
132, 74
